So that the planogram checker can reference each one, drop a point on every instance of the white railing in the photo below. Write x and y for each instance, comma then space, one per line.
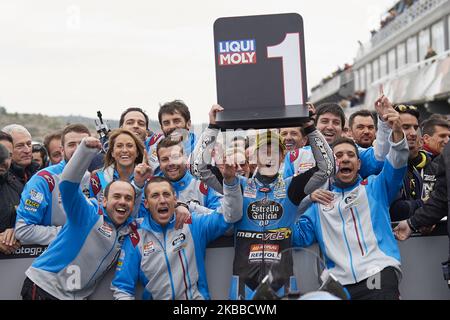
417, 83
419, 9
331, 86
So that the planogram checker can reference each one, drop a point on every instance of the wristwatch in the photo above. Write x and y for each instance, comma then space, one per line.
179, 203
408, 221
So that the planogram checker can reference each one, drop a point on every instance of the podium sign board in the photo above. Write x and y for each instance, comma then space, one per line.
260, 71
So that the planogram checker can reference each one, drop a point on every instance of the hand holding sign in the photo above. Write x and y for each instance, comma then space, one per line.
260, 71
213, 113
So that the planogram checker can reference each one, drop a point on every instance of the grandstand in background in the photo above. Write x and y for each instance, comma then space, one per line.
409, 55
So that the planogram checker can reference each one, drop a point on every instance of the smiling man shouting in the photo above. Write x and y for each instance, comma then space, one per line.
354, 229
90, 241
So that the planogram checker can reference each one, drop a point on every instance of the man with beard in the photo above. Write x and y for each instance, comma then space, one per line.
354, 229
40, 215
175, 121
188, 189
270, 202
362, 128
170, 263
420, 177
90, 241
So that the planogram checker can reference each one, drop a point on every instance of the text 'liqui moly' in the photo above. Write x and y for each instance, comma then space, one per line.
237, 52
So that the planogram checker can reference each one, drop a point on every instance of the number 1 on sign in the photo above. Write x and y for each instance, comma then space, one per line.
289, 51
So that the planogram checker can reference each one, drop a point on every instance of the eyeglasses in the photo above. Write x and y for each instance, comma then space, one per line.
404, 108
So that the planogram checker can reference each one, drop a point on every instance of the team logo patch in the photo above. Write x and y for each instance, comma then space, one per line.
36, 196
95, 184
349, 199
203, 189
271, 235
327, 208
264, 190
179, 239
32, 204
305, 166
48, 177
352, 199
148, 248
155, 138
106, 230
293, 155
154, 155
237, 52
264, 212
270, 252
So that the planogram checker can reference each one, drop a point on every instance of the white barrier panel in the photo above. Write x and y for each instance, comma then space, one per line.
421, 265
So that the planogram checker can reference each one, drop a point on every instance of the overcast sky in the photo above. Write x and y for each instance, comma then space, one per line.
60, 57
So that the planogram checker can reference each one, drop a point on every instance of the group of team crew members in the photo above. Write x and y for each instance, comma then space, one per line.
155, 201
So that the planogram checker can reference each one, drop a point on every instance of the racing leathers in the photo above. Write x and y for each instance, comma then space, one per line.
170, 263
40, 214
354, 232
88, 244
372, 158
269, 212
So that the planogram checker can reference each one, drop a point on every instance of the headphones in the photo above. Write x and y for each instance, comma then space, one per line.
38, 147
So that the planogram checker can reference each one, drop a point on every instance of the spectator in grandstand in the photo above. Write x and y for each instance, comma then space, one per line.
420, 176
188, 189
354, 230
430, 53
10, 189
22, 166
270, 202
436, 133
293, 138
362, 128
40, 215
52, 143
175, 121
90, 241
40, 155
170, 263
392, 14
